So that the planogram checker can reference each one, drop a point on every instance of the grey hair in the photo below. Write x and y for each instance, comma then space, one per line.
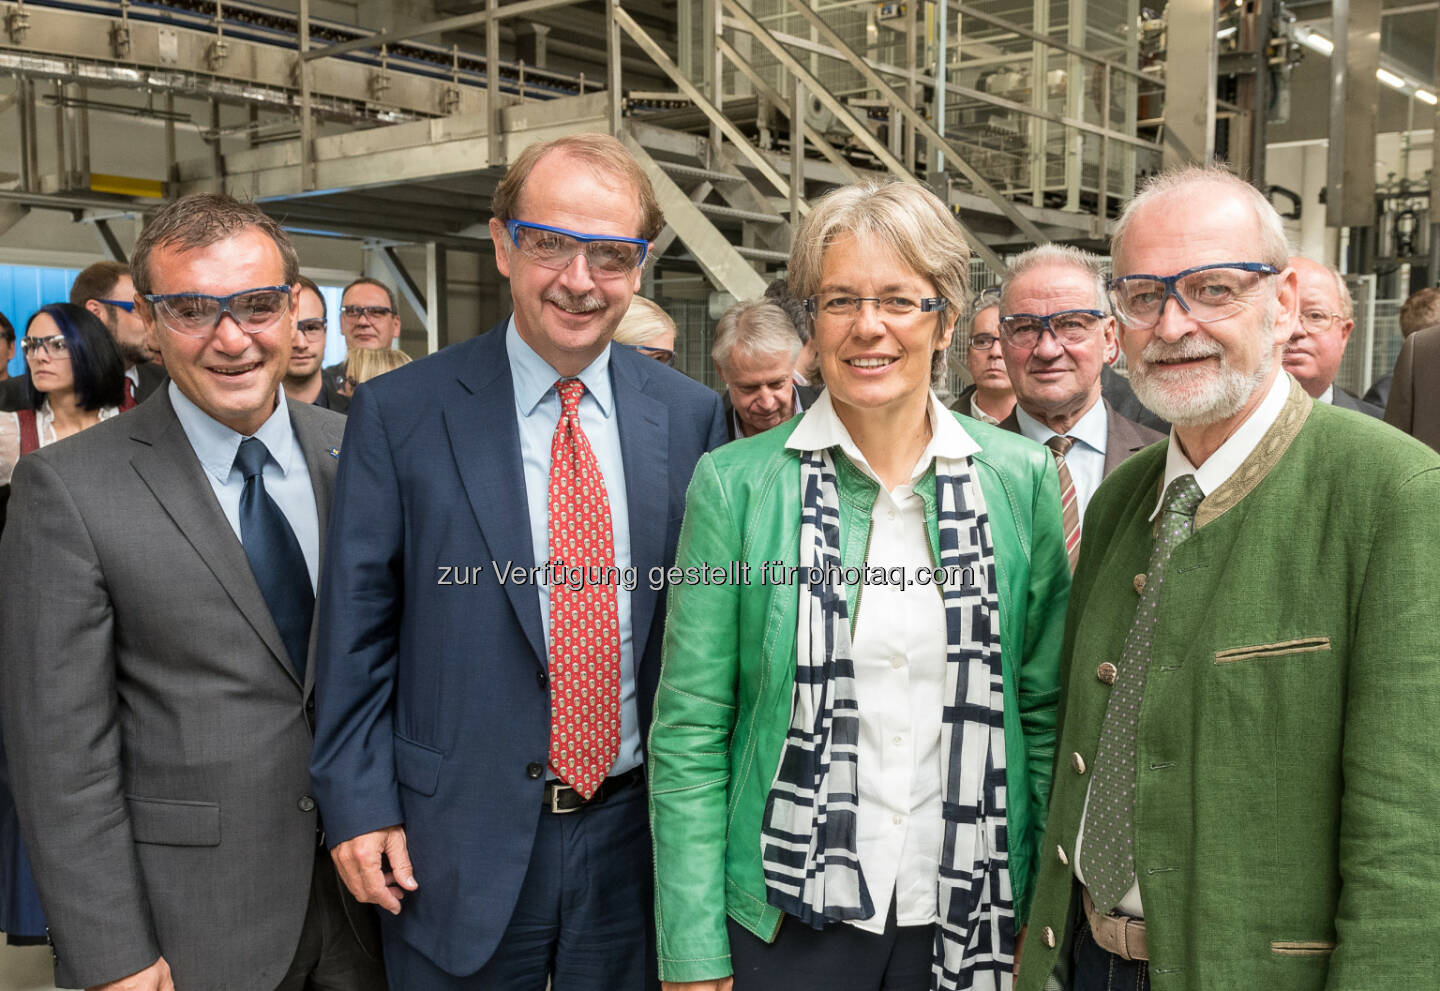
903, 217
1342, 292
1274, 248
1058, 254
754, 327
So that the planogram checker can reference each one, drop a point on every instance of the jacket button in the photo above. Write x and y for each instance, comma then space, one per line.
1106, 673
1140, 584
534, 769
306, 803
543, 678
1060, 852
1077, 762
1047, 936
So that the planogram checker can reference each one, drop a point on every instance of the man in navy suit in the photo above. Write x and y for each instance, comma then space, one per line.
440, 760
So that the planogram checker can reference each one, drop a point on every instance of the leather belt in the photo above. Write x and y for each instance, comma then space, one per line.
1117, 934
560, 798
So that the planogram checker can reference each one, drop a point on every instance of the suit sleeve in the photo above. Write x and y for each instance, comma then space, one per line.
1400, 411
352, 766
718, 434
1389, 852
1044, 632
695, 712
60, 710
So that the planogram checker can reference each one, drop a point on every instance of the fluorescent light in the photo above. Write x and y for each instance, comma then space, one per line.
1318, 43
1425, 96
1224, 33
1389, 79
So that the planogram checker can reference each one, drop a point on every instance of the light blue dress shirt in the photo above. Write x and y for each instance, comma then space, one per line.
286, 475
537, 409
1086, 459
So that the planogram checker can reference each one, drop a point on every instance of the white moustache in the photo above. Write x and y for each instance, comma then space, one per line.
587, 303
1185, 349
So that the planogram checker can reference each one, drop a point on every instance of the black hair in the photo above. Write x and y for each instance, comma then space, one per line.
94, 358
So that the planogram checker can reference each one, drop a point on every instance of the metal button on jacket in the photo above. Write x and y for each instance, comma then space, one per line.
1106, 672
534, 769
306, 803
1060, 852
1077, 762
1047, 936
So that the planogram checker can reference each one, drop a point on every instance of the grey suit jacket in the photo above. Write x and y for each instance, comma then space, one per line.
1123, 437
158, 737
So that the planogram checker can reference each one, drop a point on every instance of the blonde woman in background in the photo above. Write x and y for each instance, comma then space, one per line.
362, 365
649, 330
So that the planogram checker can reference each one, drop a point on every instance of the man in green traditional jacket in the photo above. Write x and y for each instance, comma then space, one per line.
1245, 793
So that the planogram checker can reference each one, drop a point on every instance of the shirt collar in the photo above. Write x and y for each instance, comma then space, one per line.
534, 377
1218, 468
133, 374
1328, 396
1092, 429
820, 428
216, 444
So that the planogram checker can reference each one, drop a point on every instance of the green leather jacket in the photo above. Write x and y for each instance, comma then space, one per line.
727, 679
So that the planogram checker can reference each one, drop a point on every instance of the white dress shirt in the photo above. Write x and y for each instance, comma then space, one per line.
1216, 470
1086, 457
980, 414
899, 654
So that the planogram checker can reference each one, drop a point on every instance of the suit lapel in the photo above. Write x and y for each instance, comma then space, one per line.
321, 464
644, 424
1121, 439
485, 442
167, 464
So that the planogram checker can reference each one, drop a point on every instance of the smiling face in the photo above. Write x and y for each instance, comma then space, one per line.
1317, 345
1055, 381
232, 375
1204, 374
569, 315
49, 372
873, 363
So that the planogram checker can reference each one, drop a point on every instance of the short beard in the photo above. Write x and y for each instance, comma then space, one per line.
133, 354
1199, 397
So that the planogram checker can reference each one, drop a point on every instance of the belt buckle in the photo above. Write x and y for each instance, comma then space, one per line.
555, 800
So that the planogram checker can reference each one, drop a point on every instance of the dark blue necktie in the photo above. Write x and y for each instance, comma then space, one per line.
275, 555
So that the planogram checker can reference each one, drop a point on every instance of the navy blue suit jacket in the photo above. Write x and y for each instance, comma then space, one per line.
432, 699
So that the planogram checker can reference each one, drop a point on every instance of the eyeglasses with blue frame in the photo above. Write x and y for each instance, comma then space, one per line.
195, 314
1206, 292
556, 247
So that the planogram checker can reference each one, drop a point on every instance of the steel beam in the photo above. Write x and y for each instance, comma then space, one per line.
1354, 107
109, 242
1190, 87
412, 291
462, 22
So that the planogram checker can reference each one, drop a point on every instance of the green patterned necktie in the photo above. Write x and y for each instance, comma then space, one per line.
1107, 856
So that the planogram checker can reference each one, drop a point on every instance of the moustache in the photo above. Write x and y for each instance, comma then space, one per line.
584, 303
1185, 349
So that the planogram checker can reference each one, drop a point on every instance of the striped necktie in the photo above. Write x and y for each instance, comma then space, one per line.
1069, 504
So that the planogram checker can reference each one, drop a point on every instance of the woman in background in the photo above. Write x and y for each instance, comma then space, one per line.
649, 330
76, 379
364, 364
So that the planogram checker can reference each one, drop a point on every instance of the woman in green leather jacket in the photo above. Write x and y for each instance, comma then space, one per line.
853, 735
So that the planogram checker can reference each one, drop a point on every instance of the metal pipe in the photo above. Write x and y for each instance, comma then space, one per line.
942, 75
307, 122
387, 37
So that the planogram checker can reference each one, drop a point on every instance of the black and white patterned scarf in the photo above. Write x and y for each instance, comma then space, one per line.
809, 835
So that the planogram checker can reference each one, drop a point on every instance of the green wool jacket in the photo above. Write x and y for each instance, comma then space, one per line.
1287, 818
727, 679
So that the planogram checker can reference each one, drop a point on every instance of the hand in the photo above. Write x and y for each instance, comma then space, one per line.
1019, 942
155, 977
719, 984
376, 867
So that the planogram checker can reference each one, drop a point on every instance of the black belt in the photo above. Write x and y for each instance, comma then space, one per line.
560, 798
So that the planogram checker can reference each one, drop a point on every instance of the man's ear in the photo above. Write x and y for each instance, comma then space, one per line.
97, 309
500, 238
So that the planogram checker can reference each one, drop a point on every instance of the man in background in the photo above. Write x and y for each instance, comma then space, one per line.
1317, 344
755, 352
1419, 312
304, 380
990, 397
369, 318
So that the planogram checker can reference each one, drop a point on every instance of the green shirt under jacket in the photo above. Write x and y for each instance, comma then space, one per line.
1287, 819
727, 680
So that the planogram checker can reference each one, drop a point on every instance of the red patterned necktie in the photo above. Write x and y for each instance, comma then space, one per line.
584, 616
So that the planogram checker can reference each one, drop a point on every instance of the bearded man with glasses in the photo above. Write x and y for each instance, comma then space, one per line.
1056, 334
160, 572
1243, 795
305, 381
491, 620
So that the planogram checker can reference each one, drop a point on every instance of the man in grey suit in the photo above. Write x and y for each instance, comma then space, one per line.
1057, 333
160, 572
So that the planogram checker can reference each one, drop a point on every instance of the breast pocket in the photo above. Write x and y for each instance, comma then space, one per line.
1283, 648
